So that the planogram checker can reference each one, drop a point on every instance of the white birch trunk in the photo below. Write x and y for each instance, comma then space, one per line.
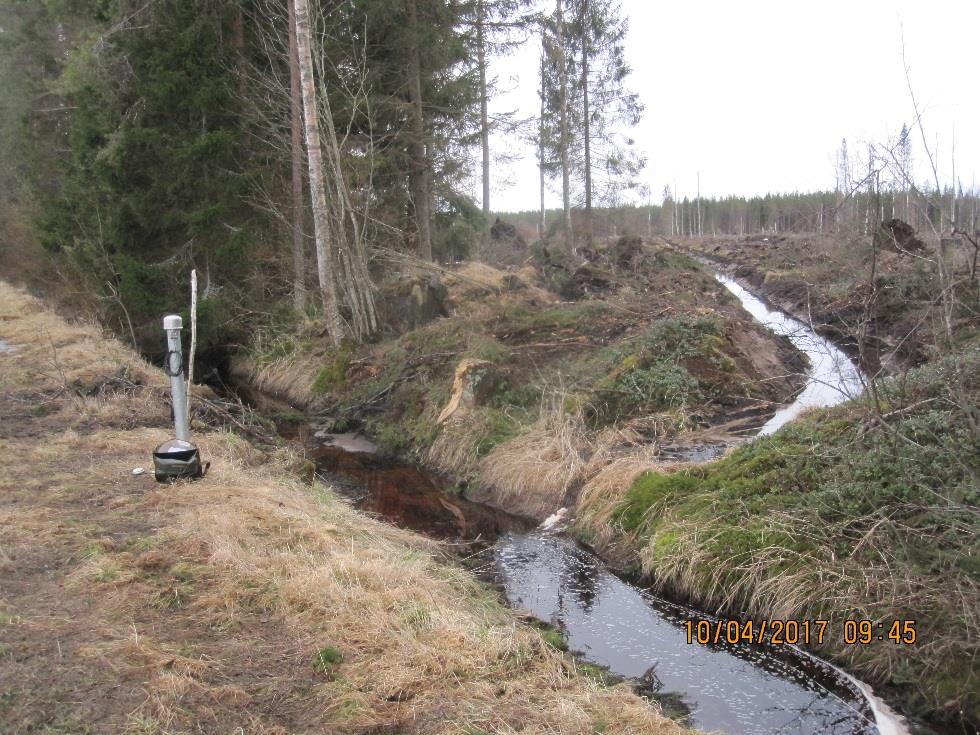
296, 151
321, 217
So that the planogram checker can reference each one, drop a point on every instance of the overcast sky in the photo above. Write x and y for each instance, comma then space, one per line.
757, 95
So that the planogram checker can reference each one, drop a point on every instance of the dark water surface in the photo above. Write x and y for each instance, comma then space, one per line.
745, 689
740, 690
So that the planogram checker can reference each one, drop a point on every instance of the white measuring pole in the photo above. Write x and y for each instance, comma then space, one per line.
172, 324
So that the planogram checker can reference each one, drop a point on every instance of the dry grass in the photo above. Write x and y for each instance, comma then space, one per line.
50, 353
533, 473
454, 450
478, 288
289, 378
201, 607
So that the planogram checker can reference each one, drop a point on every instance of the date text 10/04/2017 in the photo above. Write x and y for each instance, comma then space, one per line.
790, 632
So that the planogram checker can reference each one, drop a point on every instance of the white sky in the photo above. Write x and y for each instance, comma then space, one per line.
756, 95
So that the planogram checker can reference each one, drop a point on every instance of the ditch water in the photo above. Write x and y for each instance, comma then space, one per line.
742, 689
832, 377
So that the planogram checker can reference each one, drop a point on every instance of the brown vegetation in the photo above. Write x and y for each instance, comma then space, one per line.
656, 341
243, 601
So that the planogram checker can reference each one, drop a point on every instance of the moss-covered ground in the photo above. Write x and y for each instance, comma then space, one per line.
863, 512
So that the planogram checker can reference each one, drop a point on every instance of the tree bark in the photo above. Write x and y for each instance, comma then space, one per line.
238, 41
321, 217
542, 223
419, 173
586, 123
481, 56
353, 255
563, 140
296, 151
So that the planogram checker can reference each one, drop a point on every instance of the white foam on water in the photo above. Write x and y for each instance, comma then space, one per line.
551, 522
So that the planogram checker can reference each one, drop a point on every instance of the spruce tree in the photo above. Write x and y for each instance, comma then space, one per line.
589, 108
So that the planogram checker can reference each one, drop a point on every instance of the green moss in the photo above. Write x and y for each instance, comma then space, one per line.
482, 347
552, 636
524, 320
333, 375
673, 365
497, 426
814, 509
652, 490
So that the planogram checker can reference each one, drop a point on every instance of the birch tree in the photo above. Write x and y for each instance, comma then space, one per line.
296, 155
321, 217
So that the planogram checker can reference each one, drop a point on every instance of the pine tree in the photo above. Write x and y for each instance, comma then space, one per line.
494, 28
588, 107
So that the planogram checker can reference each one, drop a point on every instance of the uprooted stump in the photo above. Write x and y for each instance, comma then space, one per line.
416, 301
899, 237
626, 249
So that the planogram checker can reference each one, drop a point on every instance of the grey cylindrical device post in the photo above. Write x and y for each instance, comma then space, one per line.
172, 324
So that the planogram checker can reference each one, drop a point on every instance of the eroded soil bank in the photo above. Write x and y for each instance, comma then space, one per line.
523, 394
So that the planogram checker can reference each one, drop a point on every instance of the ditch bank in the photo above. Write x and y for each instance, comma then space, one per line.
818, 694
522, 397
248, 600
802, 524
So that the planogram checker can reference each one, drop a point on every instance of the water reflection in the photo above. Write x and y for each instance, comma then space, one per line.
741, 689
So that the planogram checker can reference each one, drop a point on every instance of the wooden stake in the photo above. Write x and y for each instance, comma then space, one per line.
190, 359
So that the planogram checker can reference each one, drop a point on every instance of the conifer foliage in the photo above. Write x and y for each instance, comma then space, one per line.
145, 139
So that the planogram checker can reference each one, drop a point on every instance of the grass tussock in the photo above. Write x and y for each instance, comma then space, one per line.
831, 518
602, 494
247, 600
290, 376
534, 471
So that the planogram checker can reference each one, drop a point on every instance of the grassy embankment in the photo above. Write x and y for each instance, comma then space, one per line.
656, 346
865, 511
247, 601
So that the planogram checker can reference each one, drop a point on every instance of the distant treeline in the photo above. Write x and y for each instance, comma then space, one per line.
827, 212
